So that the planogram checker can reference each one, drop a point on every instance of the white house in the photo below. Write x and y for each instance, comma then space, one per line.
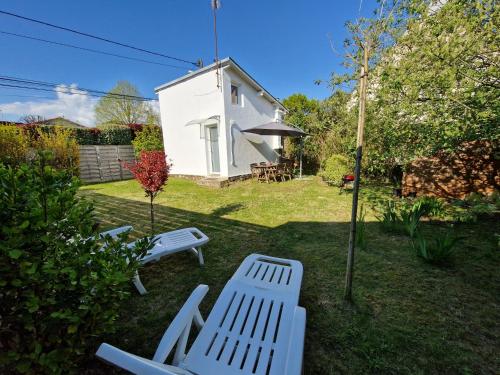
202, 122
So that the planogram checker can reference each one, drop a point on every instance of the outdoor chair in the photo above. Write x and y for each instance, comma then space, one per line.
255, 327
186, 239
272, 173
288, 169
255, 170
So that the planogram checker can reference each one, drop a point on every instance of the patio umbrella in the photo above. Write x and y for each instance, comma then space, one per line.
282, 129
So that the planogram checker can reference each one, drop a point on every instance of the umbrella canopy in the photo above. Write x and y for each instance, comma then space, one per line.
276, 128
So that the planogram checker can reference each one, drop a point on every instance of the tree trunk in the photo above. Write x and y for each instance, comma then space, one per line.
357, 175
152, 215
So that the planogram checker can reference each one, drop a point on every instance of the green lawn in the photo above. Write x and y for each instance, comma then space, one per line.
409, 317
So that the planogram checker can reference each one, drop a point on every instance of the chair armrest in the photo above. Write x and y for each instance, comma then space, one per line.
202, 235
296, 344
181, 324
115, 232
134, 363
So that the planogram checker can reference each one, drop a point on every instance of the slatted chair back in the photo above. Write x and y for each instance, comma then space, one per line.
255, 327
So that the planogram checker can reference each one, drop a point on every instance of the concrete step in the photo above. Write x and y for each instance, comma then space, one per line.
216, 182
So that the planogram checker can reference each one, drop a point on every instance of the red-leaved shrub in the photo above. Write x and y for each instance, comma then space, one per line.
152, 171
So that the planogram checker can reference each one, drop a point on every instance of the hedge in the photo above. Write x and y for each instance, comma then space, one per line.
106, 136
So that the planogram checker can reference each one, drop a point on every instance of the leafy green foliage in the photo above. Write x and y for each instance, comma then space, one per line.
439, 251
389, 218
404, 217
475, 206
148, 139
438, 85
13, 145
122, 106
330, 126
60, 288
61, 144
336, 166
111, 134
104, 135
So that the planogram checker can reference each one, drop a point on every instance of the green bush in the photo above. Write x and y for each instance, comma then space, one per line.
61, 143
13, 145
475, 206
60, 289
115, 136
438, 252
430, 206
336, 166
389, 218
148, 139
108, 134
87, 136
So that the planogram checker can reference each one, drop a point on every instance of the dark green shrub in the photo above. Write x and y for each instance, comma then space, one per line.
475, 206
404, 217
437, 252
336, 166
148, 139
430, 206
87, 136
104, 135
389, 218
60, 290
115, 135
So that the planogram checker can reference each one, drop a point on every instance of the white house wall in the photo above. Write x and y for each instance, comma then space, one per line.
196, 98
252, 110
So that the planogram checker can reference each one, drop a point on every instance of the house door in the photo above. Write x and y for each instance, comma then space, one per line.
213, 139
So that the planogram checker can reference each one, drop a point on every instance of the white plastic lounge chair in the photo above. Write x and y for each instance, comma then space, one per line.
190, 239
255, 327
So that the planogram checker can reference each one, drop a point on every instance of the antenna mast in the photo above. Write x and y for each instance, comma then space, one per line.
215, 6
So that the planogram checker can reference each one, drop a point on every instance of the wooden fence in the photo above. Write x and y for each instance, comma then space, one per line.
101, 163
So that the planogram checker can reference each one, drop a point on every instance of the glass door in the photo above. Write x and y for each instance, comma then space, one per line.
213, 139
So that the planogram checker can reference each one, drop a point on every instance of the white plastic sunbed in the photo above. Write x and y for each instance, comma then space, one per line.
255, 327
190, 239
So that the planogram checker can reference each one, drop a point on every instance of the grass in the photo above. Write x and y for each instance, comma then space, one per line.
408, 317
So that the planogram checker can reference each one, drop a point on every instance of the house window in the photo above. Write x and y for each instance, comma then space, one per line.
234, 94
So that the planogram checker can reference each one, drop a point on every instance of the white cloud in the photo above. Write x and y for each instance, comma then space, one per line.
69, 104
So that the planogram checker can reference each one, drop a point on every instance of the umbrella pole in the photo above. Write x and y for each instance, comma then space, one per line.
301, 152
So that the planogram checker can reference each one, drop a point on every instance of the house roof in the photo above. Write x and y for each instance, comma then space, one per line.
60, 121
228, 62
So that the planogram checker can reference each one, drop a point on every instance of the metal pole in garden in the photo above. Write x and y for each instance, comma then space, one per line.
301, 153
363, 80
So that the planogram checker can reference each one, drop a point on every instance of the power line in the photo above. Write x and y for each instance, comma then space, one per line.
25, 96
89, 49
65, 92
97, 37
55, 85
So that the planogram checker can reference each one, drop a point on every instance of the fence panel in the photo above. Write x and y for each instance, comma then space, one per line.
102, 163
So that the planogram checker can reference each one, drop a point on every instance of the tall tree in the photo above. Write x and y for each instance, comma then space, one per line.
303, 113
121, 106
438, 86
31, 119
368, 38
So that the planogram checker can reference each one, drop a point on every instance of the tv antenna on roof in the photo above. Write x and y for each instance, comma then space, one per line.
216, 5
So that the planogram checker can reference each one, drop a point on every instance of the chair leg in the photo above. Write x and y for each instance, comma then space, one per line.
198, 253
138, 284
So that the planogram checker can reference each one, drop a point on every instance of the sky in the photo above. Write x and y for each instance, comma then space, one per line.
283, 44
